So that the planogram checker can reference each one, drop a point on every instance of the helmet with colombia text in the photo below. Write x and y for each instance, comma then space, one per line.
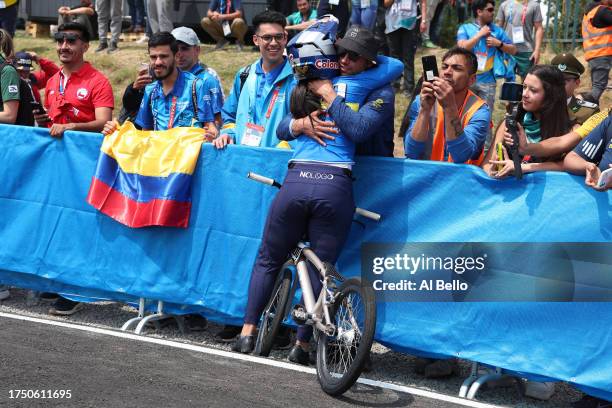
312, 52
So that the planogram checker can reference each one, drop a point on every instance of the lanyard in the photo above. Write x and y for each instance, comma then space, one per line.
61, 83
228, 6
172, 113
274, 98
523, 14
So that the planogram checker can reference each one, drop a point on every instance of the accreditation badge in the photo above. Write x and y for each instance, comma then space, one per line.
252, 135
518, 36
481, 57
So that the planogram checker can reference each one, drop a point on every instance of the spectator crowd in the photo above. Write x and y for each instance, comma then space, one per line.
449, 116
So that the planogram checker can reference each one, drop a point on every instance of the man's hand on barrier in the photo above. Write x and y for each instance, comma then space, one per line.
58, 129
591, 177
110, 127
222, 141
315, 128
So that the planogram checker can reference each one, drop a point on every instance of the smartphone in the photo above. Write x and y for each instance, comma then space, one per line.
511, 92
146, 66
430, 67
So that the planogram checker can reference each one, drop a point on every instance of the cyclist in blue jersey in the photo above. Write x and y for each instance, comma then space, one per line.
316, 198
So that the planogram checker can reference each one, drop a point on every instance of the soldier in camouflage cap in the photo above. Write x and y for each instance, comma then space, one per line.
579, 110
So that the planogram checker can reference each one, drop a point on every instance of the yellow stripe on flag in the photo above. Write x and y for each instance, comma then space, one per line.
154, 153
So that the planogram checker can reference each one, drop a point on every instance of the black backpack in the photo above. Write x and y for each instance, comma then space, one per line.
25, 116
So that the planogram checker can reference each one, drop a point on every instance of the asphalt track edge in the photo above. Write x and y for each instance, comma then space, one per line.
249, 358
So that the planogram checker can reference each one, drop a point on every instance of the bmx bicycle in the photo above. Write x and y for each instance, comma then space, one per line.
343, 317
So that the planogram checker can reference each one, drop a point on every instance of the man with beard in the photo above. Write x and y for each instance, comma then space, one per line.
176, 98
448, 122
187, 59
77, 97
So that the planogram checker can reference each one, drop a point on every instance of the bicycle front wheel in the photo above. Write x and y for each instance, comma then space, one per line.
341, 357
274, 313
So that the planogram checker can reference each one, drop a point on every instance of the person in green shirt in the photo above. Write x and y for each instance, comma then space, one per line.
301, 19
9, 81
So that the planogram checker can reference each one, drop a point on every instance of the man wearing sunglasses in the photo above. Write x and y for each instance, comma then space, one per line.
260, 95
489, 42
373, 120
78, 97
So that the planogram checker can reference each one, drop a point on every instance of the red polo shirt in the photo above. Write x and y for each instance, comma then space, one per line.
85, 90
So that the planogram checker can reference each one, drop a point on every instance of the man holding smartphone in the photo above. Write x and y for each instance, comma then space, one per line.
448, 122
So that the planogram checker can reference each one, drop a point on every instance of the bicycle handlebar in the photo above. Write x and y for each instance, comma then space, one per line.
264, 180
271, 182
368, 214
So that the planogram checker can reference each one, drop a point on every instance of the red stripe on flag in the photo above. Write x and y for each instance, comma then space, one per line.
136, 214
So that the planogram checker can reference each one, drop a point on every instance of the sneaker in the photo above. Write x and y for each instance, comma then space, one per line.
4, 292
539, 390
48, 297
113, 48
591, 402
244, 344
299, 356
228, 334
65, 307
102, 46
429, 44
195, 322
221, 44
142, 40
239, 47
441, 369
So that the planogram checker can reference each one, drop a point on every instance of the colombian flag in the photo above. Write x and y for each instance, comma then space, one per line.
143, 178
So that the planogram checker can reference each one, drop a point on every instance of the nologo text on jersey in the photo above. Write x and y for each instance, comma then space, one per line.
316, 176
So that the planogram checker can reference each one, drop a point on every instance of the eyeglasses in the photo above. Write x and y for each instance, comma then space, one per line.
352, 55
267, 38
490, 9
70, 38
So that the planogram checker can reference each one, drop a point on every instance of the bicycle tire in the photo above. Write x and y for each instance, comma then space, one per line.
341, 358
274, 312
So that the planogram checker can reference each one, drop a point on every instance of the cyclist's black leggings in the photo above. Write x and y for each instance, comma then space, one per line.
314, 199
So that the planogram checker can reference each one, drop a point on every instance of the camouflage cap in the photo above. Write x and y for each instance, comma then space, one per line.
568, 64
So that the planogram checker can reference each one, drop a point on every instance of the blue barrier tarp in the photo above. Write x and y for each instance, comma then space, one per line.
52, 239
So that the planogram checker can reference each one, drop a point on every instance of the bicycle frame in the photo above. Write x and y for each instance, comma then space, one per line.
317, 312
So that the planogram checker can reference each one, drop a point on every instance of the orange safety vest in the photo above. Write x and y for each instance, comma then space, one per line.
470, 105
597, 42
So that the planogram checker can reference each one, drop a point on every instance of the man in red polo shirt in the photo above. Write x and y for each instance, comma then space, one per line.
78, 97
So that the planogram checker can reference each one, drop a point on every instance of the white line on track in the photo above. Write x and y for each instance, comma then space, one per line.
245, 357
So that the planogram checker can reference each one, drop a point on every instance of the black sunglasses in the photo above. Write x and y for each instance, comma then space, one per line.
353, 56
70, 38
